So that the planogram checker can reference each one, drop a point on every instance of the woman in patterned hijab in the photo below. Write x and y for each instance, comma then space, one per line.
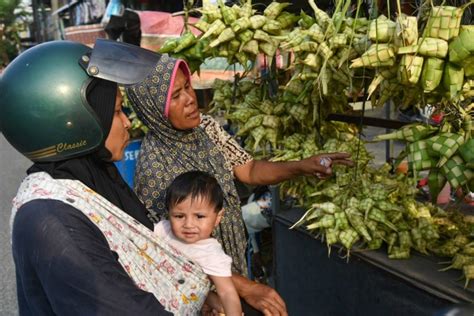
175, 144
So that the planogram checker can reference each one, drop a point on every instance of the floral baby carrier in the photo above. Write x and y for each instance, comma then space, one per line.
178, 284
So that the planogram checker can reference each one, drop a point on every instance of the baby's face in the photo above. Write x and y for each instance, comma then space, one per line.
193, 220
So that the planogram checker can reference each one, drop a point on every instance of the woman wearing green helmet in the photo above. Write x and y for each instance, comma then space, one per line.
82, 242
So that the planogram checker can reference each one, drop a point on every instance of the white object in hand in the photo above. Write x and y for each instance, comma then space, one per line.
325, 162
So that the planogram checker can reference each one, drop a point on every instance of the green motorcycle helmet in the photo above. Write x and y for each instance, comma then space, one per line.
44, 111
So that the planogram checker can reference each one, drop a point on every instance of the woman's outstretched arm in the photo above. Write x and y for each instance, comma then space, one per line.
261, 172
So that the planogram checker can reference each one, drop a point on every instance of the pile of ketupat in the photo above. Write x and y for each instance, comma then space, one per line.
332, 58
236, 33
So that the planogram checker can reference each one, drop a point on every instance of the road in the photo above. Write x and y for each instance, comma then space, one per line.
12, 171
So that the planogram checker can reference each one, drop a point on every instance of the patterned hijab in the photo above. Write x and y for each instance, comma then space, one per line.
167, 152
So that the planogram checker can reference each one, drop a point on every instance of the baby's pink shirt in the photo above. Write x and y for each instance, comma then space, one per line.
207, 253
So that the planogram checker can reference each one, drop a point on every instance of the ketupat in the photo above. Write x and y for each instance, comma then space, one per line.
348, 237
267, 48
432, 73
444, 22
378, 55
287, 19
406, 30
456, 172
468, 65
327, 207
410, 133
466, 151
185, 41
453, 78
357, 222
257, 21
229, 15
419, 156
459, 261
410, 69
444, 145
272, 27
326, 221
462, 46
223, 37
381, 30
215, 28
399, 253
429, 47
322, 18
274, 9
379, 216
240, 25
436, 182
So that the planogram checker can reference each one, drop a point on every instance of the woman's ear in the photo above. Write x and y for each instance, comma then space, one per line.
219, 217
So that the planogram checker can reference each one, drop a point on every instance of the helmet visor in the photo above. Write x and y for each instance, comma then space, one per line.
120, 62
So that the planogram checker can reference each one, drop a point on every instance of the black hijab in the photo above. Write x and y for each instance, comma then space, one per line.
96, 170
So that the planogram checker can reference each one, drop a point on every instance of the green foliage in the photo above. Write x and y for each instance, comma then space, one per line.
10, 27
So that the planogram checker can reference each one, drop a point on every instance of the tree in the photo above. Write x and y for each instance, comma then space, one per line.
9, 37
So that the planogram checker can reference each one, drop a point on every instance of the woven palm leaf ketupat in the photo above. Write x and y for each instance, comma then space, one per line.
406, 30
267, 48
468, 65
462, 46
410, 69
215, 28
456, 172
444, 145
444, 22
272, 26
436, 182
412, 132
286, 19
240, 25
453, 78
432, 73
223, 37
274, 9
338, 40
428, 46
257, 21
378, 55
419, 157
466, 151
316, 33
382, 30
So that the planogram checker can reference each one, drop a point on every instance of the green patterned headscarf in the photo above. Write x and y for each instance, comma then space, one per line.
167, 152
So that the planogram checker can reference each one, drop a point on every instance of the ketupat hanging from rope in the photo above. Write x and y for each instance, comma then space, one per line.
443, 22
410, 133
427, 46
410, 69
406, 30
378, 55
463, 45
381, 30
432, 73
453, 78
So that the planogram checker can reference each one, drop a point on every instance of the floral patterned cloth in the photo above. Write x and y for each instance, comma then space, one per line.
179, 285
167, 152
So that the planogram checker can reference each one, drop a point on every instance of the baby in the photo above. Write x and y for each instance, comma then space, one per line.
195, 204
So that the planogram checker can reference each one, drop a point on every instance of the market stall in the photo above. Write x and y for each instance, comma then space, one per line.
367, 283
